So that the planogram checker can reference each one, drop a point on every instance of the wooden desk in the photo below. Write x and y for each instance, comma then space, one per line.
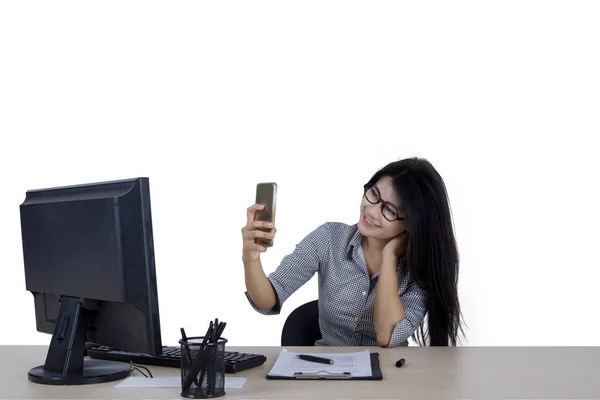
429, 373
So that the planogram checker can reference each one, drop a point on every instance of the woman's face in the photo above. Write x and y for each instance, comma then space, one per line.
373, 222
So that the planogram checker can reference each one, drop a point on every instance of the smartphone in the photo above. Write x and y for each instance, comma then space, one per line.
266, 194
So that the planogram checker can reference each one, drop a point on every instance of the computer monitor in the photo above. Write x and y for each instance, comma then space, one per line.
88, 254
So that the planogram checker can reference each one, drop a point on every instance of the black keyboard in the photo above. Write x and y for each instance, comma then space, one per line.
171, 357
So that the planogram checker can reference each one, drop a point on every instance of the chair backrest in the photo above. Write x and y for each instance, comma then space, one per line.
301, 327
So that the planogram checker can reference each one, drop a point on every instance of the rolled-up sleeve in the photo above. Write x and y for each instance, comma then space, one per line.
414, 301
297, 268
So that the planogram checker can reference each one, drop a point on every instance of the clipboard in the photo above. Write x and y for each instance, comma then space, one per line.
376, 374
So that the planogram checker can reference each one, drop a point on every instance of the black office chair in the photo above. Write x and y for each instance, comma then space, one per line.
301, 327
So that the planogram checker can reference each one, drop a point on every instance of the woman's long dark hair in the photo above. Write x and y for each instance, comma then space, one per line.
431, 253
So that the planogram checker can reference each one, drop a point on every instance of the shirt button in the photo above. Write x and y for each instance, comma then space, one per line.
356, 319
364, 293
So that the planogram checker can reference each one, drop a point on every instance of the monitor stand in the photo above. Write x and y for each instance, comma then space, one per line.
65, 364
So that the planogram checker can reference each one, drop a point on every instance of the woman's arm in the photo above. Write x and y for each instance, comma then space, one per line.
389, 309
268, 293
258, 285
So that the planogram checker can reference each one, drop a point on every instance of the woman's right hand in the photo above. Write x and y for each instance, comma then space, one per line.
250, 249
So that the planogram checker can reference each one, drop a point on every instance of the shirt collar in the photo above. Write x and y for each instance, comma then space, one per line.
353, 241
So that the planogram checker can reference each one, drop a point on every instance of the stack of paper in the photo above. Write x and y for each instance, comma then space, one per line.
357, 364
171, 382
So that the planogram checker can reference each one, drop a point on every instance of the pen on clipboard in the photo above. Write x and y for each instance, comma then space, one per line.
320, 360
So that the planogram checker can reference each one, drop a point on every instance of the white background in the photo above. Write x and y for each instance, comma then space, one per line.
209, 98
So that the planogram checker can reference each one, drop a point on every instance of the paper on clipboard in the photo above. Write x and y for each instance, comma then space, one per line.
357, 364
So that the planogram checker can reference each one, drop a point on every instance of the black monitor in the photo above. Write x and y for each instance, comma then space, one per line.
88, 254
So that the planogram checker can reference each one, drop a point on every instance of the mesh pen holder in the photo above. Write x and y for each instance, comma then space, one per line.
202, 368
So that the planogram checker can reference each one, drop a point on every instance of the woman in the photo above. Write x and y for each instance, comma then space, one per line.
379, 278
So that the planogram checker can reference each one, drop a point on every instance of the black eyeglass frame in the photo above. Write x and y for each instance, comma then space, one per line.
368, 187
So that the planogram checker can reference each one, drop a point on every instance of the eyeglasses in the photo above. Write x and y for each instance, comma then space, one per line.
388, 210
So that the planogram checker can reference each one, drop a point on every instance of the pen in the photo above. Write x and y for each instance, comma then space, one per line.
203, 353
316, 359
188, 352
211, 358
197, 364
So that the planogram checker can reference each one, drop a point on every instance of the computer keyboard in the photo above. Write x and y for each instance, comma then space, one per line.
171, 357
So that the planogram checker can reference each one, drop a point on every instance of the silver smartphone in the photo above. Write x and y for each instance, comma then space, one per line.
266, 194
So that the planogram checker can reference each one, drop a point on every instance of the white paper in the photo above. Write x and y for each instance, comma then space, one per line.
357, 364
171, 382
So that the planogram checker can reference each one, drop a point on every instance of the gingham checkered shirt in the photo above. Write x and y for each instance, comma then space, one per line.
346, 292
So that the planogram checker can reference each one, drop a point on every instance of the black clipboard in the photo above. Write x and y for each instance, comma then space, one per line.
375, 374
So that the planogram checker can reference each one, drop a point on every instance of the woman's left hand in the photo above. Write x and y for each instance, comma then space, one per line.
396, 246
